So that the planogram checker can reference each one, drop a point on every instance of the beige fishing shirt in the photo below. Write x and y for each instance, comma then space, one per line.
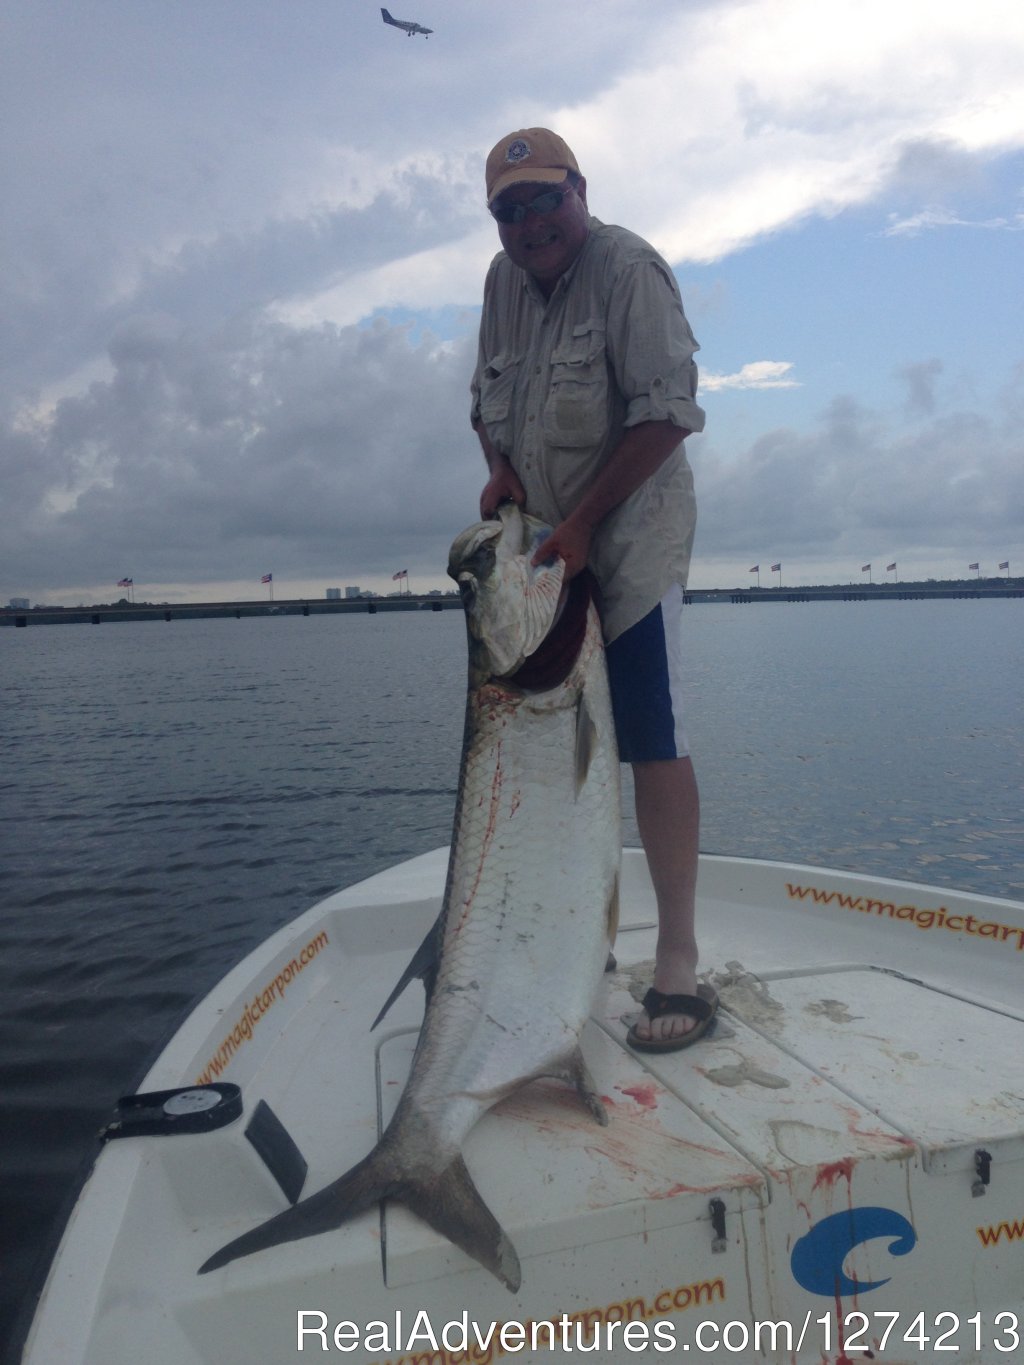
558, 381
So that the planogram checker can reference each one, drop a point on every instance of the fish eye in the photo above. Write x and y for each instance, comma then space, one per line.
480, 563
466, 548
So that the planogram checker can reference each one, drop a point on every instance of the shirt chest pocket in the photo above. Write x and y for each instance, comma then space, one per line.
576, 411
497, 387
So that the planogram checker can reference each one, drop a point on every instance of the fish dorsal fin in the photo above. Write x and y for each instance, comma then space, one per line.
423, 964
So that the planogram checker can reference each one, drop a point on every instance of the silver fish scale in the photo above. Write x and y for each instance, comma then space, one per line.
534, 868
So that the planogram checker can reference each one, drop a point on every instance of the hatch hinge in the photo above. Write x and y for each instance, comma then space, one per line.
718, 1239
982, 1172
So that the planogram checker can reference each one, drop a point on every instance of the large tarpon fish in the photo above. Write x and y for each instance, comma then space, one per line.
531, 900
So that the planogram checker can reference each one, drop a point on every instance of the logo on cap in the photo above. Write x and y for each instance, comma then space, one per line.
518, 151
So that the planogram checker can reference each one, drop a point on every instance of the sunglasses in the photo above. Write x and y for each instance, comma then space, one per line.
544, 203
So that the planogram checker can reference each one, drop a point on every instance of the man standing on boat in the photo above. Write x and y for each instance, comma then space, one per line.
583, 394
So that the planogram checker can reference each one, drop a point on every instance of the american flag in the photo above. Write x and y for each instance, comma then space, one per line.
402, 573
865, 568
776, 568
1005, 564
889, 568
756, 569
267, 578
125, 582
972, 566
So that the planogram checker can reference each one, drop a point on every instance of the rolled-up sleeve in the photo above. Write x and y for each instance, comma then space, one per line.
651, 348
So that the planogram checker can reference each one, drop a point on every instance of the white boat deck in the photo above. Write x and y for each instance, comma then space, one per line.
816, 1156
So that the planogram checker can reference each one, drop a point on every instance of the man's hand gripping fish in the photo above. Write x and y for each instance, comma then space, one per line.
530, 905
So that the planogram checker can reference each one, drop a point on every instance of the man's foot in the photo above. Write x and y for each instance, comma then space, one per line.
672, 1022
675, 973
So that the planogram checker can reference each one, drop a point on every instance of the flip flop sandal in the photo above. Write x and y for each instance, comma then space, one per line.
703, 1007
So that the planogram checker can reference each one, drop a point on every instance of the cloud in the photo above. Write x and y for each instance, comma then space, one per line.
928, 220
332, 454
758, 374
921, 379
322, 450
790, 108
198, 216
858, 482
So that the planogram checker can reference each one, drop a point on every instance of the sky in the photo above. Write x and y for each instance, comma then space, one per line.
244, 244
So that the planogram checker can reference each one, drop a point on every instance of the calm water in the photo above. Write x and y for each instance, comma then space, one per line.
171, 793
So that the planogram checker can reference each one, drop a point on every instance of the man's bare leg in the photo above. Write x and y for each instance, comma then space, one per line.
668, 818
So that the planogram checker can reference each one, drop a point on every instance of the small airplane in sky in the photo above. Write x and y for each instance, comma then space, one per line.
407, 24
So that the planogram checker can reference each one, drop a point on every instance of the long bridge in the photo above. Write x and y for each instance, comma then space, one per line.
308, 606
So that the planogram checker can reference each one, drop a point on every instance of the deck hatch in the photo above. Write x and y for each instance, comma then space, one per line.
943, 1071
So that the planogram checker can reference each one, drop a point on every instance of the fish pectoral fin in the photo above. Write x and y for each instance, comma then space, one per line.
612, 911
586, 742
452, 1205
366, 1184
424, 964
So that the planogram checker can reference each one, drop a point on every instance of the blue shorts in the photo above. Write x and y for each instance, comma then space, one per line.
645, 675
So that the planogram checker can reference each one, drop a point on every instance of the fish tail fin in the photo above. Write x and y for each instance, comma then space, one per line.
452, 1205
448, 1201
368, 1182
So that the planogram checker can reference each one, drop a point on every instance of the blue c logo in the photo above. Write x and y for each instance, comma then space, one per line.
817, 1259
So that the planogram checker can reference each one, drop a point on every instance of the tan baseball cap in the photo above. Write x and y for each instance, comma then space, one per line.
531, 156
